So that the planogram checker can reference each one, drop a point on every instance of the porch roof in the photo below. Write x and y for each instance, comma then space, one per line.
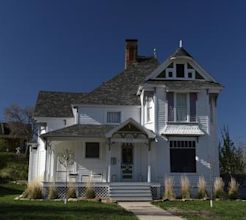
80, 130
185, 129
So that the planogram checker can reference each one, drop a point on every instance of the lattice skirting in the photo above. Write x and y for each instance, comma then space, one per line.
156, 191
101, 191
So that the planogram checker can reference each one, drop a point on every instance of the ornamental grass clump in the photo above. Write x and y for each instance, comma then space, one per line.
33, 190
169, 193
89, 191
219, 188
52, 192
233, 189
71, 193
201, 186
185, 187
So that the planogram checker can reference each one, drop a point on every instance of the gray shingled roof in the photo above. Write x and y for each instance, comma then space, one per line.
181, 52
187, 84
120, 90
81, 130
56, 104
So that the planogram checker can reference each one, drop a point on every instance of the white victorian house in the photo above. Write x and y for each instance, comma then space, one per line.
148, 122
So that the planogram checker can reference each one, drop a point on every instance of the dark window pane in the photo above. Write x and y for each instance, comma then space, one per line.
189, 75
180, 70
127, 154
170, 74
162, 74
92, 150
170, 101
183, 160
189, 66
198, 76
170, 65
193, 98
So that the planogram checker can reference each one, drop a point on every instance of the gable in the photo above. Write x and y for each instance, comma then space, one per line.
180, 66
180, 70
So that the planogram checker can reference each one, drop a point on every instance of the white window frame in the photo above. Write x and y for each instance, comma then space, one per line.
113, 111
188, 106
149, 108
174, 71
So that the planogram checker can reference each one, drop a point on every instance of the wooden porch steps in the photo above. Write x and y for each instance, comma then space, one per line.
130, 191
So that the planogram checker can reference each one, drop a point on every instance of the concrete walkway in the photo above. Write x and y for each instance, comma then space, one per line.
147, 211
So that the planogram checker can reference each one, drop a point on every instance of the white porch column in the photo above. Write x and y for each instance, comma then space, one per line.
45, 178
149, 163
109, 161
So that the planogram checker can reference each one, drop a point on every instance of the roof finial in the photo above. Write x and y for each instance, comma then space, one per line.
155, 53
180, 43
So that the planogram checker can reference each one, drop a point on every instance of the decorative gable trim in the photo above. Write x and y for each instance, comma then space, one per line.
135, 126
187, 60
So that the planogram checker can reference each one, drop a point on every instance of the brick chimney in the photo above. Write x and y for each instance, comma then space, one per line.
131, 51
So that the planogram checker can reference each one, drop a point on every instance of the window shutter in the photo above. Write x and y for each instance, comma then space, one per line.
170, 101
193, 98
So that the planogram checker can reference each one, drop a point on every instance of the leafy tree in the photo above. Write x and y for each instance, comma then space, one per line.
231, 157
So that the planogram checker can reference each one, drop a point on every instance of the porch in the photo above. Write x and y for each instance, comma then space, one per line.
117, 162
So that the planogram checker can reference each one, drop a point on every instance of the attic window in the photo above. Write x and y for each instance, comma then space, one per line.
162, 74
189, 66
198, 76
170, 65
170, 74
190, 74
180, 70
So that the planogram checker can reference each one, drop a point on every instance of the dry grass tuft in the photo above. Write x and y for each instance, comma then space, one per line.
185, 187
169, 193
219, 188
89, 191
52, 192
71, 193
233, 189
201, 185
33, 190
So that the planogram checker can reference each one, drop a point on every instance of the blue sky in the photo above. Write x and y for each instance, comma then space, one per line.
75, 45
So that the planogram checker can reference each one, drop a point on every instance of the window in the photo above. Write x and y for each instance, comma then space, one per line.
92, 150
190, 75
170, 74
181, 107
148, 108
180, 70
114, 117
183, 156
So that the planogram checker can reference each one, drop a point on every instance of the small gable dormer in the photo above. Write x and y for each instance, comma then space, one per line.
180, 66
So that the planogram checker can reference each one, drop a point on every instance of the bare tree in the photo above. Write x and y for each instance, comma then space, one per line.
21, 122
66, 158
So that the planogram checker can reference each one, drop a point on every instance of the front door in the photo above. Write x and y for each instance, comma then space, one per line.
127, 162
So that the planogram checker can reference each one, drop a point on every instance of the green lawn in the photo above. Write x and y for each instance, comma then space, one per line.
49, 210
194, 210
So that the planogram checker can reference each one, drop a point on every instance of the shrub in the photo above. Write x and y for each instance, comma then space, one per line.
219, 188
233, 189
185, 187
169, 193
201, 185
52, 192
34, 190
71, 193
